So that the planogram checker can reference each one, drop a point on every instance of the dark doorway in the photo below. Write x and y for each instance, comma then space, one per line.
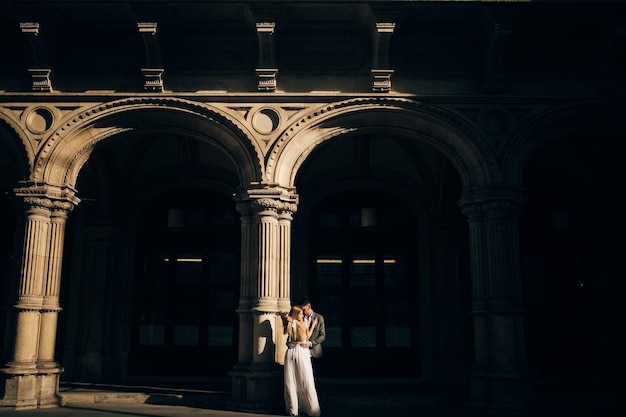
560, 335
363, 280
184, 320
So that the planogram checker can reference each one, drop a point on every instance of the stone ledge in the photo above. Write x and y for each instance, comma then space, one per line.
103, 397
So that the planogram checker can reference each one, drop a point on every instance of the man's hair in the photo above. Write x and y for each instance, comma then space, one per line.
304, 301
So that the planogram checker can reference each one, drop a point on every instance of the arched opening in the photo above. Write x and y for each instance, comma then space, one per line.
381, 250
162, 297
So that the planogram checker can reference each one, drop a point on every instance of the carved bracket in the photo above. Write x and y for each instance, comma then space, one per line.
41, 79
266, 79
153, 79
498, 30
384, 28
266, 73
381, 81
40, 74
153, 74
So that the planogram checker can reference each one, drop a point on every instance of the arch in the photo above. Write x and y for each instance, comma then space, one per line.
559, 121
68, 148
448, 133
20, 154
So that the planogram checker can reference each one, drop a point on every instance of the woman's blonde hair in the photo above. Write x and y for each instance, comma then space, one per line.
295, 312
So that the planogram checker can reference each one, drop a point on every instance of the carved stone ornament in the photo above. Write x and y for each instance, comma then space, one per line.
251, 207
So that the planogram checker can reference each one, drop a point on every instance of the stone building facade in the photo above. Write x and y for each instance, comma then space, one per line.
441, 178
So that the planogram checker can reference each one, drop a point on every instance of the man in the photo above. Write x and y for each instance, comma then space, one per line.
317, 336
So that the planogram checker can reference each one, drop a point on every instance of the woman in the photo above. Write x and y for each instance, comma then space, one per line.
300, 393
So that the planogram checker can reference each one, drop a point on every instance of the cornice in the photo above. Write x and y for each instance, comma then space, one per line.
80, 99
386, 2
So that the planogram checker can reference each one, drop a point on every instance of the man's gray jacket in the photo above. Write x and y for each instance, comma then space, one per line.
318, 335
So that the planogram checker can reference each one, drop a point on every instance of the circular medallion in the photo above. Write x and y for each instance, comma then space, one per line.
495, 121
265, 121
39, 120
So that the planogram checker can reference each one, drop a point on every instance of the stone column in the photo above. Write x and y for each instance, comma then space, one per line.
31, 377
265, 273
500, 378
284, 279
48, 368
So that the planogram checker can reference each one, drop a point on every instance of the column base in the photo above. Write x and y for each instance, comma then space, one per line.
257, 388
32, 389
504, 392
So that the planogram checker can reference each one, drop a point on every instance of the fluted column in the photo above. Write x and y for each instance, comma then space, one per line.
500, 378
247, 256
31, 281
31, 376
264, 288
52, 285
265, 274
284, 278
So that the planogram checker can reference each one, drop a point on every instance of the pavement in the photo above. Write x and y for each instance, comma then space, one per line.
338, 398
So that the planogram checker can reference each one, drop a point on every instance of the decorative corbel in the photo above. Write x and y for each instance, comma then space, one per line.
153, 73
40, 74
498, 30
384, 26
266, 71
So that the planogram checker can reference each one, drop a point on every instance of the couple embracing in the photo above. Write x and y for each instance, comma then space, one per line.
306, 330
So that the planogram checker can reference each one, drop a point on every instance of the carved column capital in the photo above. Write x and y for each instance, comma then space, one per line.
255, 206
46, 197
260, 197
489, 201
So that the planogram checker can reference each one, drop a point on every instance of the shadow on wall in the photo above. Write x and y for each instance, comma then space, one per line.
266, 348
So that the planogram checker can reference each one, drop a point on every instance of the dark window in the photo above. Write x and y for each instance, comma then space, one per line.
187, 280
363, 282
